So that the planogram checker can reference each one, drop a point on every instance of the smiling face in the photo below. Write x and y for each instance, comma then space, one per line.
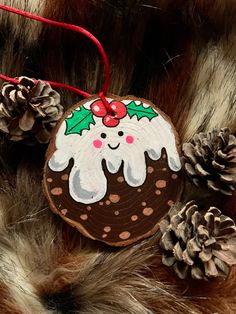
104, 140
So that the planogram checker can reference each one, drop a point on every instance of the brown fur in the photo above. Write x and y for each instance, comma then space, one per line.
171, 52
7, 305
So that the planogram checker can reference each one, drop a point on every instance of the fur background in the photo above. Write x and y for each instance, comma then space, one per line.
179, 54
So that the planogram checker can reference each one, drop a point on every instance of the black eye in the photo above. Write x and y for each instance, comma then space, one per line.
103, 135
120, 133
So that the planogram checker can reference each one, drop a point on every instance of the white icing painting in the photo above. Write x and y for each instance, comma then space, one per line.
89, 135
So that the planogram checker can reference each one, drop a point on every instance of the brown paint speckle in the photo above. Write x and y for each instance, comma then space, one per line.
49, 180
134, 217
120, 179
116, 212
114, 198
56, 191
124, 235
174, 176
89, 207
84, 217
150, 169
101, 203
107, 229
158, 192
108, 202
144, 203
160, 184
65, 177
147, 211
170, 203
104, 235
139, 190
164, 169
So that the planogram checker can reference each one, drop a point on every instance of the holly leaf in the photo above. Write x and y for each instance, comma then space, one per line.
79, 121
140, 111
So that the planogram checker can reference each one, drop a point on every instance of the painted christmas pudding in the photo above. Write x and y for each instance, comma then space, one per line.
113, 176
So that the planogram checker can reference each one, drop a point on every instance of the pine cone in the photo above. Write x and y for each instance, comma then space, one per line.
200, 244
29, 110
210, 160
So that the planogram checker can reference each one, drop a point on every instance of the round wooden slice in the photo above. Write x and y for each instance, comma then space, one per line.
113, 177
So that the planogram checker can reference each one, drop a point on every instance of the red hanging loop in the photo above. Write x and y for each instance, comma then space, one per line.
54, 84
77, 29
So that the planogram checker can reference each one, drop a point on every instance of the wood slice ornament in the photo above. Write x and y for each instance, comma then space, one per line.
113, 177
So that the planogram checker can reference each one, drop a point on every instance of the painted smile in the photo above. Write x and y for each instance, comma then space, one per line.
115, 147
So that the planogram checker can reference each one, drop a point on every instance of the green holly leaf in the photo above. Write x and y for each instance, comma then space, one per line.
140, 111
79, 121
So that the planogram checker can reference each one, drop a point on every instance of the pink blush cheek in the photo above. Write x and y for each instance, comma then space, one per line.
129, 139
97, 144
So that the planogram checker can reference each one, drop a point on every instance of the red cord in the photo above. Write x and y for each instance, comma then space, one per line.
77, 29
54, 84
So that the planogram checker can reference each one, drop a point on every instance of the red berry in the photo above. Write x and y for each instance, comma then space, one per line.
110, 121
119, 109
98, 109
